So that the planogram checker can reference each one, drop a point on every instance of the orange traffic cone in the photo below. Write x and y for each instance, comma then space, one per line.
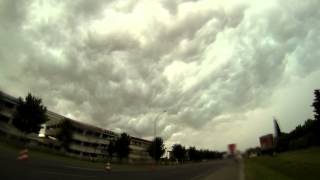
23, 155
108, 166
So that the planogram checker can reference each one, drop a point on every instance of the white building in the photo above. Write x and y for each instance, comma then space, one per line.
87, 141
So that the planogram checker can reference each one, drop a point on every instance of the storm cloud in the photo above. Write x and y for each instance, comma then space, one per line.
209, 70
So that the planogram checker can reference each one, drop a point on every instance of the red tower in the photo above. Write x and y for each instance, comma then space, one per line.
232, 148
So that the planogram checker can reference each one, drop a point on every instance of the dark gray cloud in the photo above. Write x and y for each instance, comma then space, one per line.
12, 13
212, 66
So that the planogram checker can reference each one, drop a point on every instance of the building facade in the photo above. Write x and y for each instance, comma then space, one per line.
92, 142
87, 141
7, 109
138, 150
266, 142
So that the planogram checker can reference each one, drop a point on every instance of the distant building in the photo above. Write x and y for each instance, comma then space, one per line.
267, 142
139, 149
92, 142
87, 141
232, 149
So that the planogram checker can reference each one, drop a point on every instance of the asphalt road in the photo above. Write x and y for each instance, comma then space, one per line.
11, 168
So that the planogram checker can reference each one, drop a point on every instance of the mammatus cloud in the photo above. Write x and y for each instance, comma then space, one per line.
219, 70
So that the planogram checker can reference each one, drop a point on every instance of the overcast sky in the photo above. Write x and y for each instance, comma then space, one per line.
220, 69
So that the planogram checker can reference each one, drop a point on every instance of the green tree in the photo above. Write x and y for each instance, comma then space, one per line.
65, 133
192, 152
156, 148
316, 110
122, 146
316, 104
179, 152
30, 114
111, 149
253, 151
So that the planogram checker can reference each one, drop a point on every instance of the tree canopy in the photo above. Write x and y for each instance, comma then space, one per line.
122, 146
30, 114
316, 104
198, 155
156, 148
111, 148
316, 110
179, 152
193, 154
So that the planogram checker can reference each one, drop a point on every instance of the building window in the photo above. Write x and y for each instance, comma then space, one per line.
86, 144
77, 142
89, 133
4, 118
96, 134
93, 155
78, 130
9, 105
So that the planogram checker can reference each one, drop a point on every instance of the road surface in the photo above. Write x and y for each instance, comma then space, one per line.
42, 169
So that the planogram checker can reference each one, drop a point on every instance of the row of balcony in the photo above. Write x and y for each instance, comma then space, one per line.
87, 149
135, 147
98, 149
84, 138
